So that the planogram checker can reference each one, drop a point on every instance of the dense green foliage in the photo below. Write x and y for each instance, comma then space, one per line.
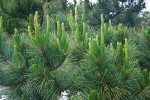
19, 13
119, 11
110, 63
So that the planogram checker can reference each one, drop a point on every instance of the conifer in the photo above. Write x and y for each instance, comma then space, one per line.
1, 25
120, 54
30, 19
102, 45
36, 26
76, 14
58, 29
126, 56
71, 21
93, 66
1, 31
83, 12
47, 26
18, 58
29, 31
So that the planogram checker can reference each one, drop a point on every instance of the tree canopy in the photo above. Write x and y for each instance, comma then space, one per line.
119, 11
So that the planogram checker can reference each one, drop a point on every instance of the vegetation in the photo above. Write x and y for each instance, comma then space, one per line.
119, 11
42, 61
19, 13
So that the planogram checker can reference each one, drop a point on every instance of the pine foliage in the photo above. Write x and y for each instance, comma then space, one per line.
106, 64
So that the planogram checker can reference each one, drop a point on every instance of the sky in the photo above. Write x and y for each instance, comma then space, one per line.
146, 9
148, 5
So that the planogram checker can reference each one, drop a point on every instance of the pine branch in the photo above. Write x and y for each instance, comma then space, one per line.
5, 59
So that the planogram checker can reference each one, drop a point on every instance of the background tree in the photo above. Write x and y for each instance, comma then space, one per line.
16, 12
145, 19
119, 11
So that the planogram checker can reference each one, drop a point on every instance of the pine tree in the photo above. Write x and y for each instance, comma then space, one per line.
89, 64
18, 13
144, 49
119, 11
